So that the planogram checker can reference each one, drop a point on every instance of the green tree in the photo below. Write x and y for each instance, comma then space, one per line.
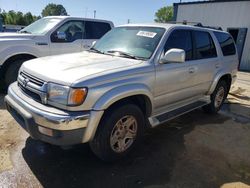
18, 18
3, 15
164, 14
54, 10
10, 17
28, 18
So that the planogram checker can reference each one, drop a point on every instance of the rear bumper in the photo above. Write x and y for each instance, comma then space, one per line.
66, 128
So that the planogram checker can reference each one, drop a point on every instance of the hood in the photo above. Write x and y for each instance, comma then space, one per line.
67, 69
15, 35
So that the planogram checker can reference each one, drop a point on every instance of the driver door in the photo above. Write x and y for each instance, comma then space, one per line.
175, 82
67, 38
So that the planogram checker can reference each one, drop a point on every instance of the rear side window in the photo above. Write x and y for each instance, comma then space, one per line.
181, 39
95, 30
226, 43
204, 45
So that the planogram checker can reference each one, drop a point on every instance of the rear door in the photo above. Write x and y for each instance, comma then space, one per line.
206, 61
94, 30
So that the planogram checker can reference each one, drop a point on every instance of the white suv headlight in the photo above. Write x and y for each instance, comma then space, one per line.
66, 95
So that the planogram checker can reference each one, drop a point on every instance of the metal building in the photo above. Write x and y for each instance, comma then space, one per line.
231, 15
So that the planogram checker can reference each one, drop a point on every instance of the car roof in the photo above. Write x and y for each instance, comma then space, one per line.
168, 26
78, 18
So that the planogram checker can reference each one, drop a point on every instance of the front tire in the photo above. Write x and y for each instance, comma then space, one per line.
217, 98
118, 132
12, 72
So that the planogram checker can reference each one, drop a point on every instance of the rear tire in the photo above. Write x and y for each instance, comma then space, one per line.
118, 132
217, 98
12, 72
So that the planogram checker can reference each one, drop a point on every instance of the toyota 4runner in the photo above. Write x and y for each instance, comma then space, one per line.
136, 76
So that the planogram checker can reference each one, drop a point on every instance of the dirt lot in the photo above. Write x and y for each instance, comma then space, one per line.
195, 150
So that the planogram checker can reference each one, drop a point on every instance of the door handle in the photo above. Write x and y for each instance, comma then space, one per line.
191, 70
41, 43
217, 65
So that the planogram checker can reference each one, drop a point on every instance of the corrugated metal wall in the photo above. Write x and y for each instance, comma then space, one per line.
225, 15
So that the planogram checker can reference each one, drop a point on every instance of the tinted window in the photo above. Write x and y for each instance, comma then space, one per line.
226, 43
204, 44
180, 39
95, 30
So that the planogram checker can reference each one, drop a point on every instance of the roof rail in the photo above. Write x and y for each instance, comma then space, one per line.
184, 22
196, 24
209, 27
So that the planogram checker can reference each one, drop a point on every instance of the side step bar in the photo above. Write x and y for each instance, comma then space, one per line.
162, 118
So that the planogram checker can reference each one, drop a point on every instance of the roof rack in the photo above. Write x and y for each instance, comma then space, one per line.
196, 24
184, 22
209, 27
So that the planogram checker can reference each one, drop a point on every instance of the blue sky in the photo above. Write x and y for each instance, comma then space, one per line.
116, 10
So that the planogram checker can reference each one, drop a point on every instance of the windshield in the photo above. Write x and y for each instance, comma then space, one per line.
41, 26
130, 42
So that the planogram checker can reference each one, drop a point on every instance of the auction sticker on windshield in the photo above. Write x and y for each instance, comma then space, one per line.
146, 34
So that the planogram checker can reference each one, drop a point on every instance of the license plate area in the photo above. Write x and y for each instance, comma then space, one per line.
18, 117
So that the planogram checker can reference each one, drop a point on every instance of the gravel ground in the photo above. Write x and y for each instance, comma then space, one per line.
195, 150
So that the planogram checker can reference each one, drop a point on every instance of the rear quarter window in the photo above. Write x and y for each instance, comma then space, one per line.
226, 43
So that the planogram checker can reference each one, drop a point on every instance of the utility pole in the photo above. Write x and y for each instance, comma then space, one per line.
94, 13
86, 12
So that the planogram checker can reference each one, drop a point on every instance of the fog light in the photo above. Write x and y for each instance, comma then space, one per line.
45, 131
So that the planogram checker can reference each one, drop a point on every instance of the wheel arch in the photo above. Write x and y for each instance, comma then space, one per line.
138, 94
227, 77
15, 57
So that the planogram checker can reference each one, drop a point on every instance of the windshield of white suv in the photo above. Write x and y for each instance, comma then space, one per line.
130, 42
41, 26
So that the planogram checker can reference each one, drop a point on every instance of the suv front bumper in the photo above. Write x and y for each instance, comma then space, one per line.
51, 124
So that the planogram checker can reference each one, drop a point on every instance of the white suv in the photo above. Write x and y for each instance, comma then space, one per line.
48, 36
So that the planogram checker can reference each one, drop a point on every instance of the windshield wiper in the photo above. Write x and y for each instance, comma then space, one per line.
125, 54
25, 32
95, 50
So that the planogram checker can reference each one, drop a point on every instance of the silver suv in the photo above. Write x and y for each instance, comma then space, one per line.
136, 76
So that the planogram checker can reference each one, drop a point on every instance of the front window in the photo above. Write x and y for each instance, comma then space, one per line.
131, 42
41, 26
73, 30
181, 39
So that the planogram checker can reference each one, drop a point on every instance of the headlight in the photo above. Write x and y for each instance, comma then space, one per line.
66, 95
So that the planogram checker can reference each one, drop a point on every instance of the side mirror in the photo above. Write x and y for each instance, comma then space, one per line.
61, 35
174, 56
93, 43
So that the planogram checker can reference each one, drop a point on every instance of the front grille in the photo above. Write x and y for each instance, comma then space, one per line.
32, 86
31, 94
32, 79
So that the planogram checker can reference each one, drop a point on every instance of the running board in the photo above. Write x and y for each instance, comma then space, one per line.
162, 118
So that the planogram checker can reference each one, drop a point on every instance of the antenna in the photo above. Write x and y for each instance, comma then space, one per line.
86, 12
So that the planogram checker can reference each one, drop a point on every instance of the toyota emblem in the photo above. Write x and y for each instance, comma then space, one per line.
25, 82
